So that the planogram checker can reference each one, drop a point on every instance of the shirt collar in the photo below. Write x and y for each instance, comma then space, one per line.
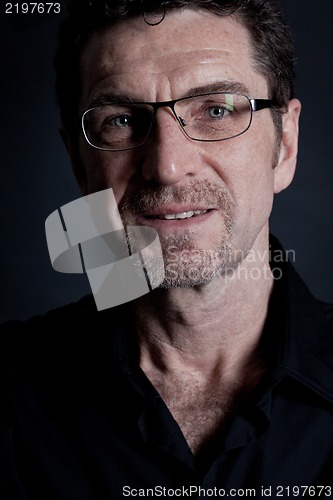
302, 330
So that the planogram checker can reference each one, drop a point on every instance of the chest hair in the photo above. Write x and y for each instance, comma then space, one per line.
203, 412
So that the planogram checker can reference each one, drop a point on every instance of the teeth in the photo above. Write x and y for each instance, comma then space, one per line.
185, 215
182, 215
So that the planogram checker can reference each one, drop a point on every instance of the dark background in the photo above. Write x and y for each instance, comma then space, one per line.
36, 177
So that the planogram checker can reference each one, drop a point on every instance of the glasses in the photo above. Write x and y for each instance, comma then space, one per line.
205, 117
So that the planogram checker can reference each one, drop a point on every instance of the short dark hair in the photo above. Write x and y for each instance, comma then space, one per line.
272, 44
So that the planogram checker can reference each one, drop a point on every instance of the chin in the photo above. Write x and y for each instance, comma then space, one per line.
190, 267
179, 281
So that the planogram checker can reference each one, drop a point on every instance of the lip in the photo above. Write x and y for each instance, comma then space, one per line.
149, 220
174, 209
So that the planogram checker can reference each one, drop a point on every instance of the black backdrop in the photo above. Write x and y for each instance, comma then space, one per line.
36, 176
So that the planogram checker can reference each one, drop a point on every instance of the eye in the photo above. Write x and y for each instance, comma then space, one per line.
217, 112
120, 121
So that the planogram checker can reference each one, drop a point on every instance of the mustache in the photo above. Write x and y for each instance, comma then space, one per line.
206, 193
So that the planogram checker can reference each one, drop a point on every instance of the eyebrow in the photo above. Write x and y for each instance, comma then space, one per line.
112, 99
222, 86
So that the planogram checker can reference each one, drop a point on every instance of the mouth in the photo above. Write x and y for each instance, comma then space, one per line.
181, 215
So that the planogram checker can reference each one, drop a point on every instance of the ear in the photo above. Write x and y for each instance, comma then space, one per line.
286, 165
73, 153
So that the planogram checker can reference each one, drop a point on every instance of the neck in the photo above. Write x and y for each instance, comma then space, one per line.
202, 329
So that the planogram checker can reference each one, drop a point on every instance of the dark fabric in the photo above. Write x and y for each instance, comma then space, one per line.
80, 420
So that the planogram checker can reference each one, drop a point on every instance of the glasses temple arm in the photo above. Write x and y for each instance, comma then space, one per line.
258, 104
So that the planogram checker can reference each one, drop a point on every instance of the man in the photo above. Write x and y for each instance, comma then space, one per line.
219, 382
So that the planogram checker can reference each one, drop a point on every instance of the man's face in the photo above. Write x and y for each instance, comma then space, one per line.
228, 185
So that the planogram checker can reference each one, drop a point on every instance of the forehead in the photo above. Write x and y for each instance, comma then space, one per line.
188, 48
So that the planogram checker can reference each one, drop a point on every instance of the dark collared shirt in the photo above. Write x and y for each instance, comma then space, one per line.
80, 420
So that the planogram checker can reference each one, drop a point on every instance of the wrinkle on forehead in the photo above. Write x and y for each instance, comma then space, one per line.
161, 64
172, 68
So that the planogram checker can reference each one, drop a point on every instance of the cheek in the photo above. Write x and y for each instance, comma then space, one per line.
245, 165
257, 187
105, 170
245, 168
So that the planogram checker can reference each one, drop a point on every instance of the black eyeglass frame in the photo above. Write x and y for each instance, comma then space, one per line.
255, 105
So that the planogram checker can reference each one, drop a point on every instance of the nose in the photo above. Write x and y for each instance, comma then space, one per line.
169, 155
